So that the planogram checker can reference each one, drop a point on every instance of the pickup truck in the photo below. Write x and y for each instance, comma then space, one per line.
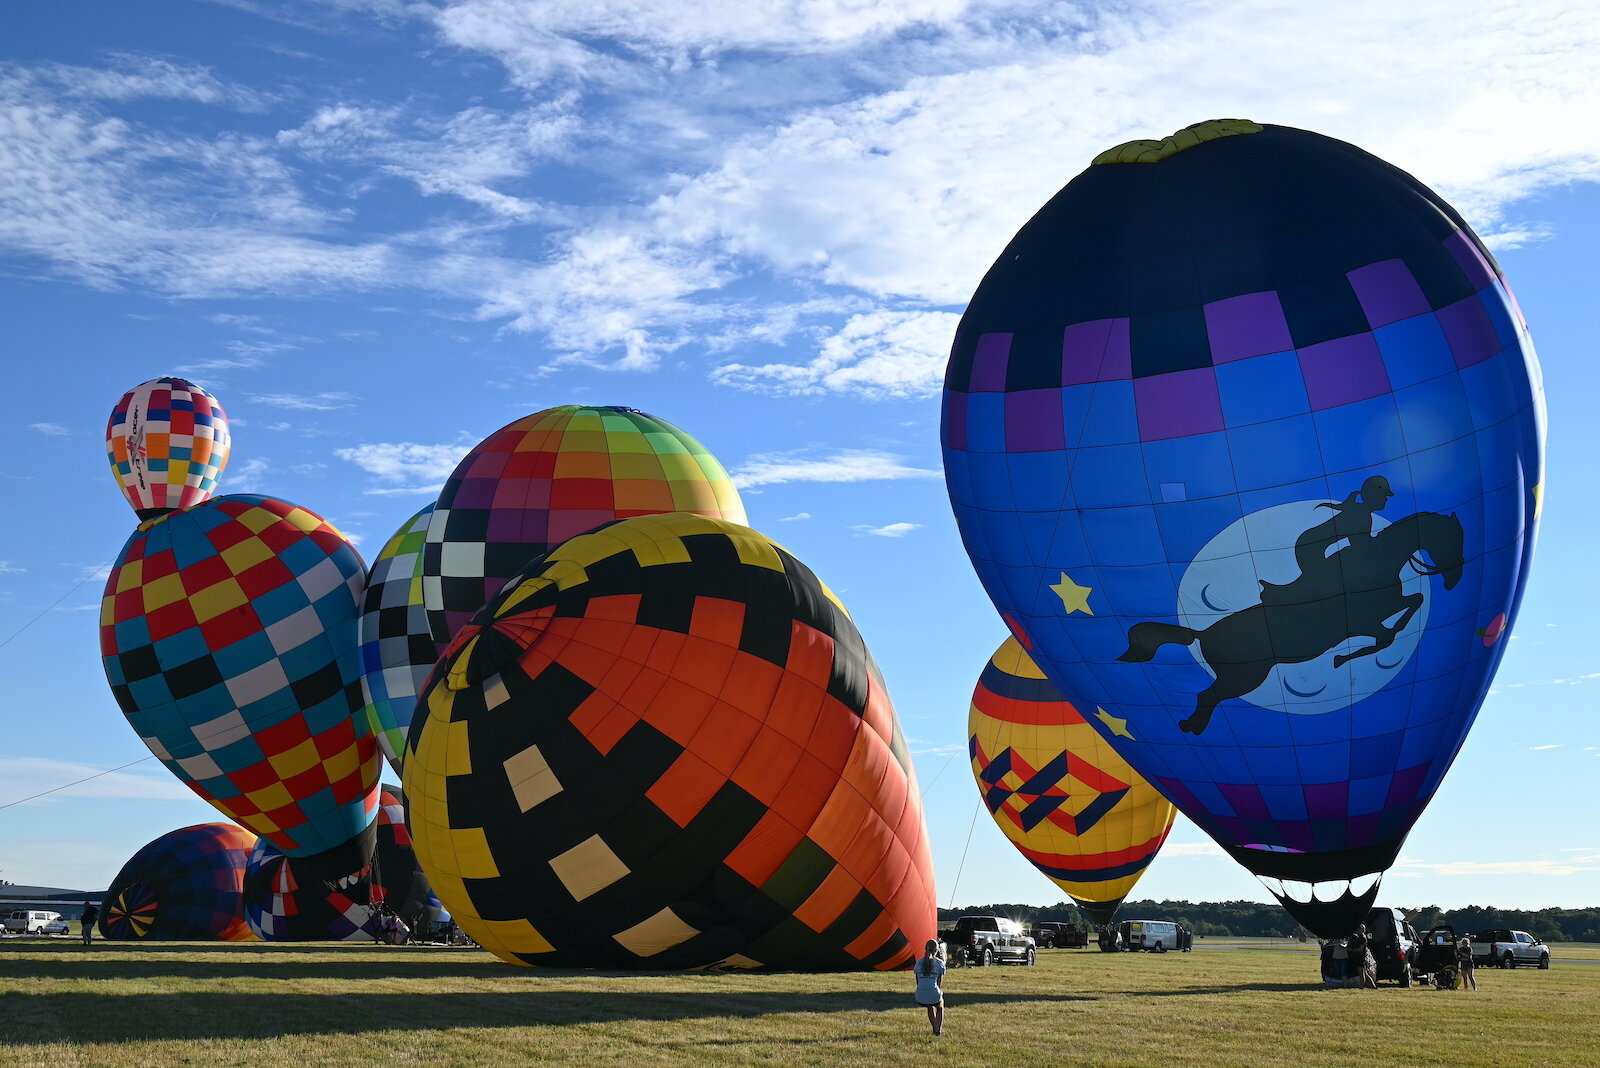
1051, 934
1507, 949
986, 940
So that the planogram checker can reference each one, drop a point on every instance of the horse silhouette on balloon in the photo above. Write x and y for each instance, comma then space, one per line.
1342, 593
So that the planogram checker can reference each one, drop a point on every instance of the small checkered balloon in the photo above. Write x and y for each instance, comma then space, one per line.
186, 885
167, 442
283, 902
546, 477
397, 652
229, 635
665, 745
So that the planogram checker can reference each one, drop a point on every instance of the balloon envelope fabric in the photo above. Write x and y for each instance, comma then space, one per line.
397, 651
285, 903
546, 477
665, 745
229, 634
167, 441
397, 878
1057, 789
186, 885
1174, 410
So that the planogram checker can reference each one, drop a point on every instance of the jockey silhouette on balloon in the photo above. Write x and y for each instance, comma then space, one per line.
1340, 594
1351, 522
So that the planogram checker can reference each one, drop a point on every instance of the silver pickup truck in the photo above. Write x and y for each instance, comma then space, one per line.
1507, 949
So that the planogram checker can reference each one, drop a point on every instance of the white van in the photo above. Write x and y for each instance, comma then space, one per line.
26, 921
1155, 936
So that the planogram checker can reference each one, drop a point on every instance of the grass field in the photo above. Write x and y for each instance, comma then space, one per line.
1231, 1002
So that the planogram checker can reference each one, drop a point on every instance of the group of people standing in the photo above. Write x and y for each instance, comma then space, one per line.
1355, 953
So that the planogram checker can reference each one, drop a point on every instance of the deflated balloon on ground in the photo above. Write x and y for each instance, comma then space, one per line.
187, 885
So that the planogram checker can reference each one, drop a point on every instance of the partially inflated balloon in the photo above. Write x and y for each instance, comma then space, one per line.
397, 652
532, 485
187, 885
229, 635
167, 441
398, 882
1243, 433
665, 745
1058, 789
283, 902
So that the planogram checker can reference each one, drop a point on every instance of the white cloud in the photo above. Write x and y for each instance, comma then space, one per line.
406, 468
858, 161
795, 518
1541, 748
24, 776
1407, 866
878, 354
467, 155
246, 476
305, 402
892, 530
55, 430
8, 568
1192, 849
132, 76
844, 466
540, 41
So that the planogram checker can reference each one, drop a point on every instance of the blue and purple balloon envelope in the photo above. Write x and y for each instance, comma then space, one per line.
1243, 432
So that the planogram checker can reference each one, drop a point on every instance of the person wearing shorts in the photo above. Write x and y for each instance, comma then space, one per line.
1469, 980
930, 994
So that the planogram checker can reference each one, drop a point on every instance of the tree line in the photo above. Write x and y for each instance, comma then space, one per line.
1254, 919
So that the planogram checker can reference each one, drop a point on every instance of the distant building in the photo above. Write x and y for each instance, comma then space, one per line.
49, 898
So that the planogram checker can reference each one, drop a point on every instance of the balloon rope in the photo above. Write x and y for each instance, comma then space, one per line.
941, 771
50, 608
962, 866
96, 775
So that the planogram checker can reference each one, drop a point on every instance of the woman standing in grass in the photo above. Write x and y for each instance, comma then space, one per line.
1464, 961
930, 995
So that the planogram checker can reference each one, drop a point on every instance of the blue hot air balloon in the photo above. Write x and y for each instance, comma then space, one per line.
1243, 433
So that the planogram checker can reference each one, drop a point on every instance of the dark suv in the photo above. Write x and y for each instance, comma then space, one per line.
1051, 934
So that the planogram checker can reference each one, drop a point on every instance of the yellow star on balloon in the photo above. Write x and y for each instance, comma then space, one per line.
1074, 598
1116, 726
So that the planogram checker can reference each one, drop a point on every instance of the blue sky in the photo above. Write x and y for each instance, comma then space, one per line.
379, 230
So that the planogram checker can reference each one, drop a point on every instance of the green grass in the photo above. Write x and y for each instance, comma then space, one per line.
1231, 1002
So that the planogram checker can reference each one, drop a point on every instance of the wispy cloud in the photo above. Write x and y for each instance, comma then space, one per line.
1572, 865
54, 430
129, 76
875, 355
305, 402
891, 530
795, 518
1541, 748
8, 568
406, 468
248, 476
843, 466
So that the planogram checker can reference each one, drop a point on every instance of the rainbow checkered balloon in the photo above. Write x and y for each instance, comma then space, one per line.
167, 442
397, 652
547, 477
229, 636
